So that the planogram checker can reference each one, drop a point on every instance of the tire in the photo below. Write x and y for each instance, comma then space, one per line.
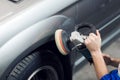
38, 66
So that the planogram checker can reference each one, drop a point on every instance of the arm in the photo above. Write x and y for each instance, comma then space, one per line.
99, 64
111, 61
93, 43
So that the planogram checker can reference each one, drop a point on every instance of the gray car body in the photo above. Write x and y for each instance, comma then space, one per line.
24, 24
23, 29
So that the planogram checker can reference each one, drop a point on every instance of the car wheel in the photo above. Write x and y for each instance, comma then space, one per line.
38, 66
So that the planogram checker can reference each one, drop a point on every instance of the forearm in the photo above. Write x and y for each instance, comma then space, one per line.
99, 64
93, 43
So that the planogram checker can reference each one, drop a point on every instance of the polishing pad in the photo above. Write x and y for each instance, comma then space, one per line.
61, 39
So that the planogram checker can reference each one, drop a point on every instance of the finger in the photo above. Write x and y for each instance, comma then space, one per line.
98, 33
103, 55
87, 41
92, 34
106, 55
112, 59
92, 38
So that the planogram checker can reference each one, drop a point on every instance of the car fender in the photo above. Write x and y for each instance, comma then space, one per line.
40, 32
19, 18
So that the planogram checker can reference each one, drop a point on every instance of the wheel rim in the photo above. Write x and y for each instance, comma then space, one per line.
44, 73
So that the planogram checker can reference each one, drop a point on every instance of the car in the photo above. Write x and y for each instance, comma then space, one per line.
27, 27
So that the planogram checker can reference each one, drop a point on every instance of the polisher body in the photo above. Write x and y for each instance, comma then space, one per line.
74, 42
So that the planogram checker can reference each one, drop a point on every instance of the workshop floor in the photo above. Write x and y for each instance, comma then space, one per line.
88, 73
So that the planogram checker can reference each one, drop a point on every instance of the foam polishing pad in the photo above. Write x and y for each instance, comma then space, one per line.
62, 39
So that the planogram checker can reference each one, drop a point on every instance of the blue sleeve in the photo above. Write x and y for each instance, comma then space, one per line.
113, 75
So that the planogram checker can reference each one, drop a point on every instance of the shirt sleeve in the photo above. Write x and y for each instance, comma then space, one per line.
113, 75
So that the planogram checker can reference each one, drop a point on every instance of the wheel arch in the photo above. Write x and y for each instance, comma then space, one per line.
45, 39
65, 60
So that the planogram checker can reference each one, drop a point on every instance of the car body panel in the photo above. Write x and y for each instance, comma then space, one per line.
24, 18
15, 26
26, 38
26, 26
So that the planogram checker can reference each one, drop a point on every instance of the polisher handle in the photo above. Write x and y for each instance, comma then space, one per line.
87, 55
92, 29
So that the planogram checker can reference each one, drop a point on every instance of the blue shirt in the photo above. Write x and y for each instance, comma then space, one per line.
113, 75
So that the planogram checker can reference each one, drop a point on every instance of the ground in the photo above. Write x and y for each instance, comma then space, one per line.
88, 73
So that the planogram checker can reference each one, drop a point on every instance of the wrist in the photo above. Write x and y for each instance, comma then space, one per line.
96, 52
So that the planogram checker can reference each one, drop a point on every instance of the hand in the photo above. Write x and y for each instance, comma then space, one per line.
107, 59
93, 42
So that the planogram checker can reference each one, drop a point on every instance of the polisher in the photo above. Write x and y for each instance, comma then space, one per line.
74, 41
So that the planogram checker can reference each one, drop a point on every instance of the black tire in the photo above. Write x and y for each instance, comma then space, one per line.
38, 66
